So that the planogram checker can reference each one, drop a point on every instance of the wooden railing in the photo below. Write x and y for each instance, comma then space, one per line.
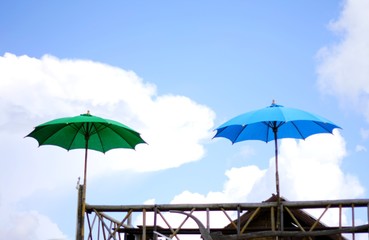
350, 220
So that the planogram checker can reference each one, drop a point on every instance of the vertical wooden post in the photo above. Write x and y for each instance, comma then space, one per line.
367, 209
80, 214
144, 224
155, 236
238, 220
353, 219
340, 219
207, 220
272, 218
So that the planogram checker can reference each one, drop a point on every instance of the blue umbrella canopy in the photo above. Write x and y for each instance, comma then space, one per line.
263, 123
272, 123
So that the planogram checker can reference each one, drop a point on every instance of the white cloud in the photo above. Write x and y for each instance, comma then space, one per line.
311, 169
29, 225
344, 67
33, 91
172, 125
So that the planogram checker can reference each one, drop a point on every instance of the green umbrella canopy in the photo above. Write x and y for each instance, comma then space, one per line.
72, 133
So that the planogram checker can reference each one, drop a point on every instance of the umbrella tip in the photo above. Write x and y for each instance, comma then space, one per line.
88, 114
274, 104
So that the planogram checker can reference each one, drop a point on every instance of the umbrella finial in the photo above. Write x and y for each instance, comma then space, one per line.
88, 112
273, 102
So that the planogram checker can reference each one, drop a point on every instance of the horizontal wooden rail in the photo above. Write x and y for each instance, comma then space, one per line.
237, 232
229, 206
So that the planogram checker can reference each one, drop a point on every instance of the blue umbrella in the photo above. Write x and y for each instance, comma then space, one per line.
272, 123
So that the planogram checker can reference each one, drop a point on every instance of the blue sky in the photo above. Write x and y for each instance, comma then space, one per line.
174, 71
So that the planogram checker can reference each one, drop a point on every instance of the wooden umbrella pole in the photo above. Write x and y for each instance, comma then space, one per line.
275, 129
276, 169
85, 171
82, 227
82, 201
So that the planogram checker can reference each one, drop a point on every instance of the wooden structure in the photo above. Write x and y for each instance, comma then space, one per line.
243, 220
292, 220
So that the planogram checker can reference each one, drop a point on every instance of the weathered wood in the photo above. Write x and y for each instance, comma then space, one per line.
229, 218
144, 224
80, 214
323, 203
234, 232
250, 219
230, 206
204, 232
295, 219
178, 207
320, 217
264, 234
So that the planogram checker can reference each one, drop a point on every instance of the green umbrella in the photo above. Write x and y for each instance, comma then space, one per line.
86, 132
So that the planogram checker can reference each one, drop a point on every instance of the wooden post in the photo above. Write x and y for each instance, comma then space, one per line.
144, 224
80, 214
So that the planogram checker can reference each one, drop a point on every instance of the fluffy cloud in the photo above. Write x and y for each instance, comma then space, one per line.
311, 169
344, 66
29, 225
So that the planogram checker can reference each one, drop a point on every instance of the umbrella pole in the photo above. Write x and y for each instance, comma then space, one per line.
85, 172
275, 130
276, 165
82, 227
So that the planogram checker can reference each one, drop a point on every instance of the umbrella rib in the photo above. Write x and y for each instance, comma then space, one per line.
239, 133
78, 129
128, 130
89, 130
323, 125
268, 124
49, 135
101, 127
298, 130
273, 125
218, 131
97, 130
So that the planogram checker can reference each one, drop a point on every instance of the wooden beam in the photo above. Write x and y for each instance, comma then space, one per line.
264, 234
